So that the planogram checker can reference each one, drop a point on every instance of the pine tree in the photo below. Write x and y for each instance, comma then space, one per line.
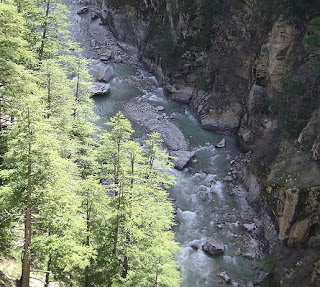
140, 211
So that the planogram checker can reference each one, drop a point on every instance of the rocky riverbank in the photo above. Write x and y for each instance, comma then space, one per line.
229, 87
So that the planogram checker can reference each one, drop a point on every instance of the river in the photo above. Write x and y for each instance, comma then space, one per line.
206, 204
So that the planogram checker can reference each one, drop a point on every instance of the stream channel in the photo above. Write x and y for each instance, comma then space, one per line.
206, 204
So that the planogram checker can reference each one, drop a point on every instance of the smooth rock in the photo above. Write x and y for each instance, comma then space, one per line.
143, 112
213, 246
160, 108
181, 97
225, 277
100, 88
250, 284
194, 244
221, 144
83, 10
218, 125
106, 74
181, 158
235, 284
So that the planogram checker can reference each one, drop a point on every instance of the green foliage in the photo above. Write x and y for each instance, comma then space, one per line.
165, 46
290, 9
13, 47
83, 232
121, 3
206, 16
269, 262
136, 243
291, 107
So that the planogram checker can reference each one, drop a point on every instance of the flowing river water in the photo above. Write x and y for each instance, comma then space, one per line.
206, 205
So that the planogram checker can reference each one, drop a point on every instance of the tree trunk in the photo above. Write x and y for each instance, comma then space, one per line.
44, 32
125, 267
86, 275
25, 276
47, 280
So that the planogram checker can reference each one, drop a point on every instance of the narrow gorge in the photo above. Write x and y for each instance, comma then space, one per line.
248, 70
160, 143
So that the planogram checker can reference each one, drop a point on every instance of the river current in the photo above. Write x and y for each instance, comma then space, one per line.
205, 203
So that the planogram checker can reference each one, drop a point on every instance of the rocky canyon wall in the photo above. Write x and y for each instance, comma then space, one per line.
249, 68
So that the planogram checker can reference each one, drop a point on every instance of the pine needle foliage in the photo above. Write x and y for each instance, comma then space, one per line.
137, 239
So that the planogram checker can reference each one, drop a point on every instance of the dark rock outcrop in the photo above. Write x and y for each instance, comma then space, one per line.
213, 246
181, 158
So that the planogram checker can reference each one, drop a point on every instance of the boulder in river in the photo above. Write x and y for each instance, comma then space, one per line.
194, 244
219, 125
181, 158
225, 277
160, 108
221, 144
106, 74
83, 10
100, 88
213, 246
181, 97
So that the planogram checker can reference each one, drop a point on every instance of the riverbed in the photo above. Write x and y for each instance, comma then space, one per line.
209, 202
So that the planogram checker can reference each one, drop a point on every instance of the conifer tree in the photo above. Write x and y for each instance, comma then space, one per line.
140, 211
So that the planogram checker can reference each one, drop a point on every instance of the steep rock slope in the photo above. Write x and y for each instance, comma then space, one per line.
250, 68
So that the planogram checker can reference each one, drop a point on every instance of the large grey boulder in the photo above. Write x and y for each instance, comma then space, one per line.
213, 246
99, 88
181, 97
106, 74
181, 158
218, 125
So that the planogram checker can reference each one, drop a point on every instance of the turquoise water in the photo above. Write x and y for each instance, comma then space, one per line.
200, 195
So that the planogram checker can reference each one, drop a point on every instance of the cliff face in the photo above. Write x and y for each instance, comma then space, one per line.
250, 69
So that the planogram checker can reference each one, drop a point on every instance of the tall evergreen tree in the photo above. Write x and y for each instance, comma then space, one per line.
140, 211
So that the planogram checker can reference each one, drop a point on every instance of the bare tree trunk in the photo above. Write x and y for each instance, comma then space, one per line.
44, 32
47, 280
25, 276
